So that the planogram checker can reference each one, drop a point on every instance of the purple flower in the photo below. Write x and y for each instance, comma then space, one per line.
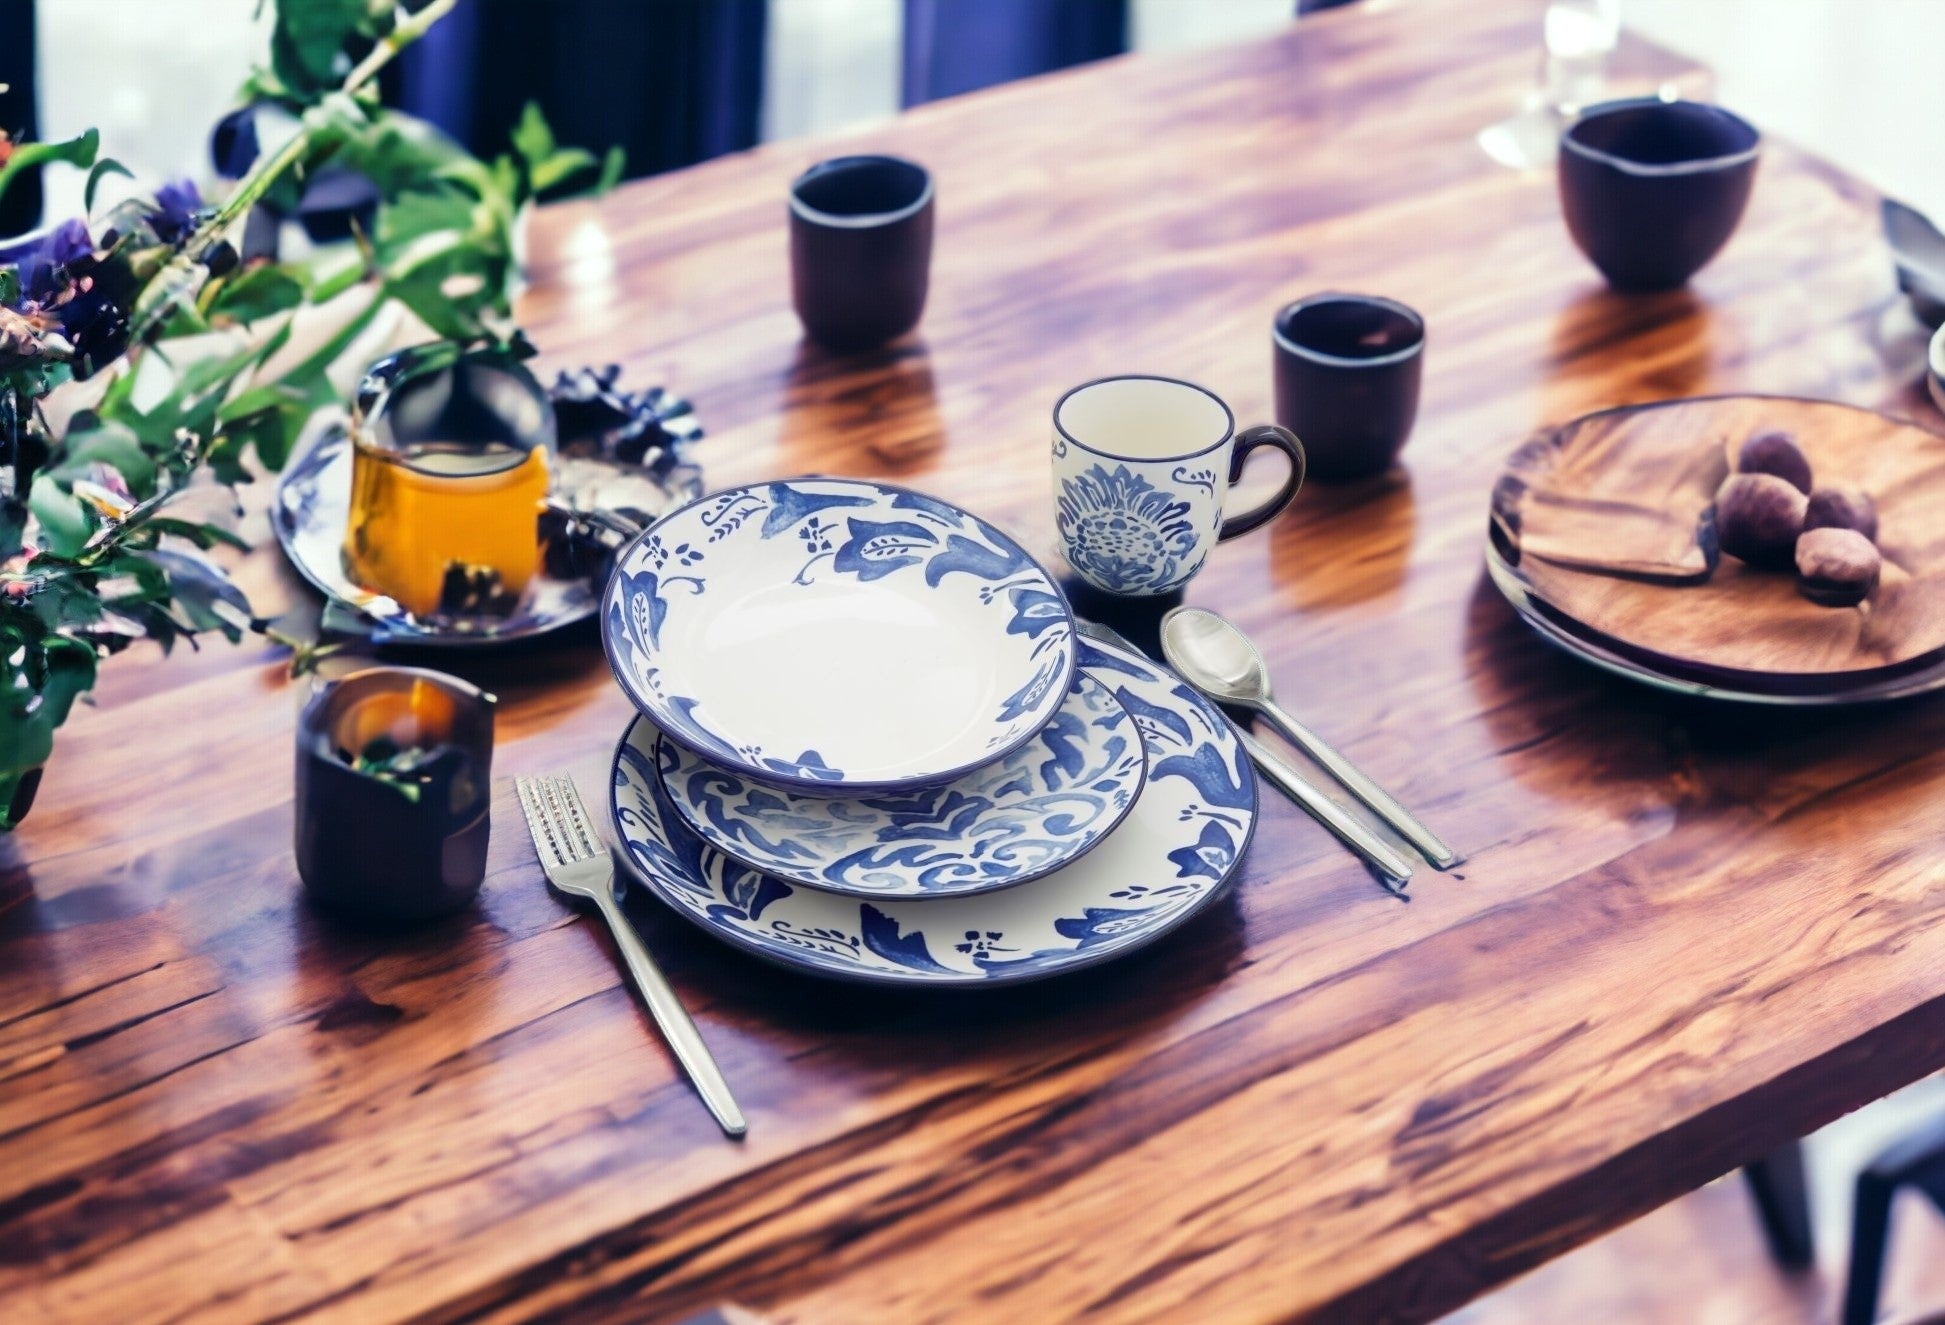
40, 258
176, 206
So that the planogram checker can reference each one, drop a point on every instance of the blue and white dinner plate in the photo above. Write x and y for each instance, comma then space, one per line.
1049, 801
1173, 855
837, 634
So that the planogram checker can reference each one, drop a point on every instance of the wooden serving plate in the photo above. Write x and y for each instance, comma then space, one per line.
1606, 525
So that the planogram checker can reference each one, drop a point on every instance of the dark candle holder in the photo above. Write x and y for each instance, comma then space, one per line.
382, 848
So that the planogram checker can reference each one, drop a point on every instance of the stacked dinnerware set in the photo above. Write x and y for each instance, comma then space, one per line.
875, 744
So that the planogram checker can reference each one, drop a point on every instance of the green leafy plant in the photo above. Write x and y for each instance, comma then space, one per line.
106, 521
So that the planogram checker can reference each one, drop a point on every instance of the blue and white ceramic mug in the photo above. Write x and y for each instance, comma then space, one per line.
1142, 466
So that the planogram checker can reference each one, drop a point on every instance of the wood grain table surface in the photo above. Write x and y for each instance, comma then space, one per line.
1684, 933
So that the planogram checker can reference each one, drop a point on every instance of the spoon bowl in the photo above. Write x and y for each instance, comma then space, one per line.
1220, 660
1216, 657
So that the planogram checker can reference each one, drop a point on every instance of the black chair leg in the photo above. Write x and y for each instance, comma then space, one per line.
1870, 1229
1776, 1181
1917, 1160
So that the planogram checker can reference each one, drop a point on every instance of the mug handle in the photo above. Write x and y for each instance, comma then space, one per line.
1282, 439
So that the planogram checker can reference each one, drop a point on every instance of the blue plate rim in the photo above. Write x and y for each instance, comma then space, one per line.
972, 889
816, 786
956, 981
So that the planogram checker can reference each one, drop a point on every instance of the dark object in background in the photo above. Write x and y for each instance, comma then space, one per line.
1918, 253
394, 850
1916, 1160
672, 82
860, 249
1348, 368
1653, 189
955, 46
20, 206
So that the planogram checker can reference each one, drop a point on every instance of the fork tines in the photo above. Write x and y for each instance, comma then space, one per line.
558, 820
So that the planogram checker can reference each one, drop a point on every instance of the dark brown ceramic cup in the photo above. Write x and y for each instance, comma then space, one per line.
860, 249
1347, 370
368, 847
1653, 189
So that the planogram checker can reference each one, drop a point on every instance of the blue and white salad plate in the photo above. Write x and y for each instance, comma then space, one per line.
1174, 854
837, 635
1010, 821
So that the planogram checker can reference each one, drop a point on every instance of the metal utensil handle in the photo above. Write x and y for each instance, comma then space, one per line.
1360, 785
1326, 811
669, 1014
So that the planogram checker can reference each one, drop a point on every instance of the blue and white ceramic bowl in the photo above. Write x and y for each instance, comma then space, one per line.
837, 635
1175, 853
1031, 812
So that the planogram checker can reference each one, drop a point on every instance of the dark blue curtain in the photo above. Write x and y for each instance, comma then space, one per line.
672, 81
20, 207
954, 46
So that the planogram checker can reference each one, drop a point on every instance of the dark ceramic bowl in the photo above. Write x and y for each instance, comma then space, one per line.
1653, 189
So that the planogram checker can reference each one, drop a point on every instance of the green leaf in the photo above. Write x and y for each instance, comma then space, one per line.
102, 169
9, 285
42, 678
613, 166
78, 151
307, 45
257, 292
66, 524
204, 536
562, 166
533, 139
105, 442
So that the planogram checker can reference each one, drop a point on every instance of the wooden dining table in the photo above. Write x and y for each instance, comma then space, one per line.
1683, 934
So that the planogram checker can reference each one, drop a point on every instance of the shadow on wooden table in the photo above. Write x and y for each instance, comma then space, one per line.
1122, 995
1528, 690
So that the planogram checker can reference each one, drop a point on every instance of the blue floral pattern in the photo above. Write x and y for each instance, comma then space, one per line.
1011, 821
810, 530
1123, 534
1176, 853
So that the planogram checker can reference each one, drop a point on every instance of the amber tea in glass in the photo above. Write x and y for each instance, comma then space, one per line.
449, 475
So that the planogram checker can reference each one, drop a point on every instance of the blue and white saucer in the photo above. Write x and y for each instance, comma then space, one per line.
1031, 812
837, 635
1172, 856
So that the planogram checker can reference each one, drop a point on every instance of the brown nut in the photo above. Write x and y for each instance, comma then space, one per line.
1842, 508
1758, 518
1775, 453
1836, 567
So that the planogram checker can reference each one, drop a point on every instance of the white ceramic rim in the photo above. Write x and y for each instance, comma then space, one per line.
1228, 414
1406, 311
845, 787
1701, 165
864, 220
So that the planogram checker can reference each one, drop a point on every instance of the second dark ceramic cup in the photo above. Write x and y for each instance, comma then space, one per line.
1347, 375
1653, 189
365, 847
860, 249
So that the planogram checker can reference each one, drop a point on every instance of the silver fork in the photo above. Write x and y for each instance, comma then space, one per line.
577, 862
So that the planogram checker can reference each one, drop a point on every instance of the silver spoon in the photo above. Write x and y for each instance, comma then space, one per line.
1218, 659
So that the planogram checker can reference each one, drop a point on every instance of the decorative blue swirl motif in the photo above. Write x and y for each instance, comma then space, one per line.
1013, 820
1177, 851
1204, 478
1123, 534
838, 527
